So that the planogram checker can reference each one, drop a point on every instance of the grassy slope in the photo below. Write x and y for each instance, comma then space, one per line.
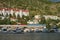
35, 6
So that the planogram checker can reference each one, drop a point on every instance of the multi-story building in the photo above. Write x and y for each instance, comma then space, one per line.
15, 11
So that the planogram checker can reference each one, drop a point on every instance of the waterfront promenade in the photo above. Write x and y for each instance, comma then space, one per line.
30, 36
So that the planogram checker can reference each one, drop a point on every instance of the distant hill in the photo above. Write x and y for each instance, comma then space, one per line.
35, 6
55, 0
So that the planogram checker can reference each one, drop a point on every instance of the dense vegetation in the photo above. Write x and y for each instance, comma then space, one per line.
35, 6
40, 7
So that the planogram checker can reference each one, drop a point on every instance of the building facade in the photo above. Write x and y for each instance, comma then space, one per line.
15, 11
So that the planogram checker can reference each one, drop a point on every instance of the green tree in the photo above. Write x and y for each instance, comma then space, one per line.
14, 16
43, 21
10, 16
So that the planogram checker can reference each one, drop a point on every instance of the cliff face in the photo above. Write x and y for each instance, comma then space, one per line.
35, 6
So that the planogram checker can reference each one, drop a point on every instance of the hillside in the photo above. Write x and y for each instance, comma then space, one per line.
35, 6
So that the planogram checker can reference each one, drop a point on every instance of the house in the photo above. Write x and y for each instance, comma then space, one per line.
37, 17
15, 11
20, 13
7, 11
51, 17
11, 11
3, 11
26, 12
30, 22
33, 22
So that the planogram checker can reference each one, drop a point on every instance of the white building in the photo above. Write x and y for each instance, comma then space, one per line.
37, 17
20, 13
51, 17
30, 22
3, 11
33, 22
25, 12
7, 11
11, 11
16, 13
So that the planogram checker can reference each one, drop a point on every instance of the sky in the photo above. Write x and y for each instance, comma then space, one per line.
55, 0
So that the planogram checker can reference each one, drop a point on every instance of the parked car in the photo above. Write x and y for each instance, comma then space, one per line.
26, 30
31, 30
37, 30
4, 30
53, 30
19, 30
45, 30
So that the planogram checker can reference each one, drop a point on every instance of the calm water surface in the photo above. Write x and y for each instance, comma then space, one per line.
31, 36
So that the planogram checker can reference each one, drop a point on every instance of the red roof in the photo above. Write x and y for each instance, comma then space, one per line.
17, 10
14, 9
6, 9
0, 9
25, 10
